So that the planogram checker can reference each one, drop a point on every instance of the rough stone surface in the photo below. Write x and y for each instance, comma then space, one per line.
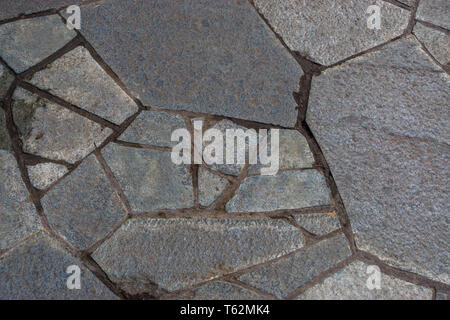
441, 296
5, 80
205, 56
224, 291
286, 190
83, 207
319, 224
328, 31
350, 284
37, 270
436, 42
51, 131
5, 142
176, 253
283, 276
27, 42
80, 80
44, 174
150, 179
18, 217
435, 11
153, 128
382, 123
210, 186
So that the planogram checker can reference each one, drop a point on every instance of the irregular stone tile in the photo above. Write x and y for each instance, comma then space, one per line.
204, 56
282, 277
5, 142
328, 31
83, 207
286, 190
350, 284
37, 270
438, 43
44, 174
210, 186
79, 79
319, 224
382, 123
224, 291
5, 80
434, 11
51, 131
18, 217
150, 179
153, 128
27, 42
176, 253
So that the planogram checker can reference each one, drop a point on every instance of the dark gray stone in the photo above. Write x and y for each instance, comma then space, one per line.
319, 224
382, 123
5, 80
435, 11
224, 291
436, 42
205, 56
210, 186
441, 296
5, 142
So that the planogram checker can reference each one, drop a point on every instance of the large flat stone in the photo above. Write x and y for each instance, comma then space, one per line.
224, 291
176, 253
436, 42
150, 179
382, 123
37, 270
328, 31
79, 79
205, 56
27, 42
435, 11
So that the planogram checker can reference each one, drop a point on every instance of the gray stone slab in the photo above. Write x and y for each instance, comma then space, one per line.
286, 190
224, 291
27, 42
319, 224
79, 79
149, 178
153, 128
6, 79
43, 174
52, 131
17, 214
210, 186
176, 253
436, 42
83, 207
205, 56
328, 31
36, 270
382, 123
435, 11
350, 283
282, 277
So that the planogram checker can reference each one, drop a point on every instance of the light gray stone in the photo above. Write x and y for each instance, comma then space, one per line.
83, 207
79, 79
350, 283
5, 80
286, 190
224, 291
27, 42
436, 42
382, 123
153, 128
282, 277
176, 253
37, 270
44, 174
18, 216
328, 31
434, 11
319, 224
210, 186
150, 179
51, 131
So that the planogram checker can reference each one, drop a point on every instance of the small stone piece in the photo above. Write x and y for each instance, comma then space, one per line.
351, 284
286, 190
80, 80
437, 42
210, 186
176, 253
83, 207
27, 42
153, 128
435, 11
51, 131
44, 174
224, 291
5, 80
319, 224
36, 270
282, 277
5, 142
149, 178
441, 296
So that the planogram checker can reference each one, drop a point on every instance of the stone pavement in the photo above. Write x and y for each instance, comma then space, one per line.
87, 180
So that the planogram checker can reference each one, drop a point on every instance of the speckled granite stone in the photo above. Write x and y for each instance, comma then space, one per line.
435, 11
44, 174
